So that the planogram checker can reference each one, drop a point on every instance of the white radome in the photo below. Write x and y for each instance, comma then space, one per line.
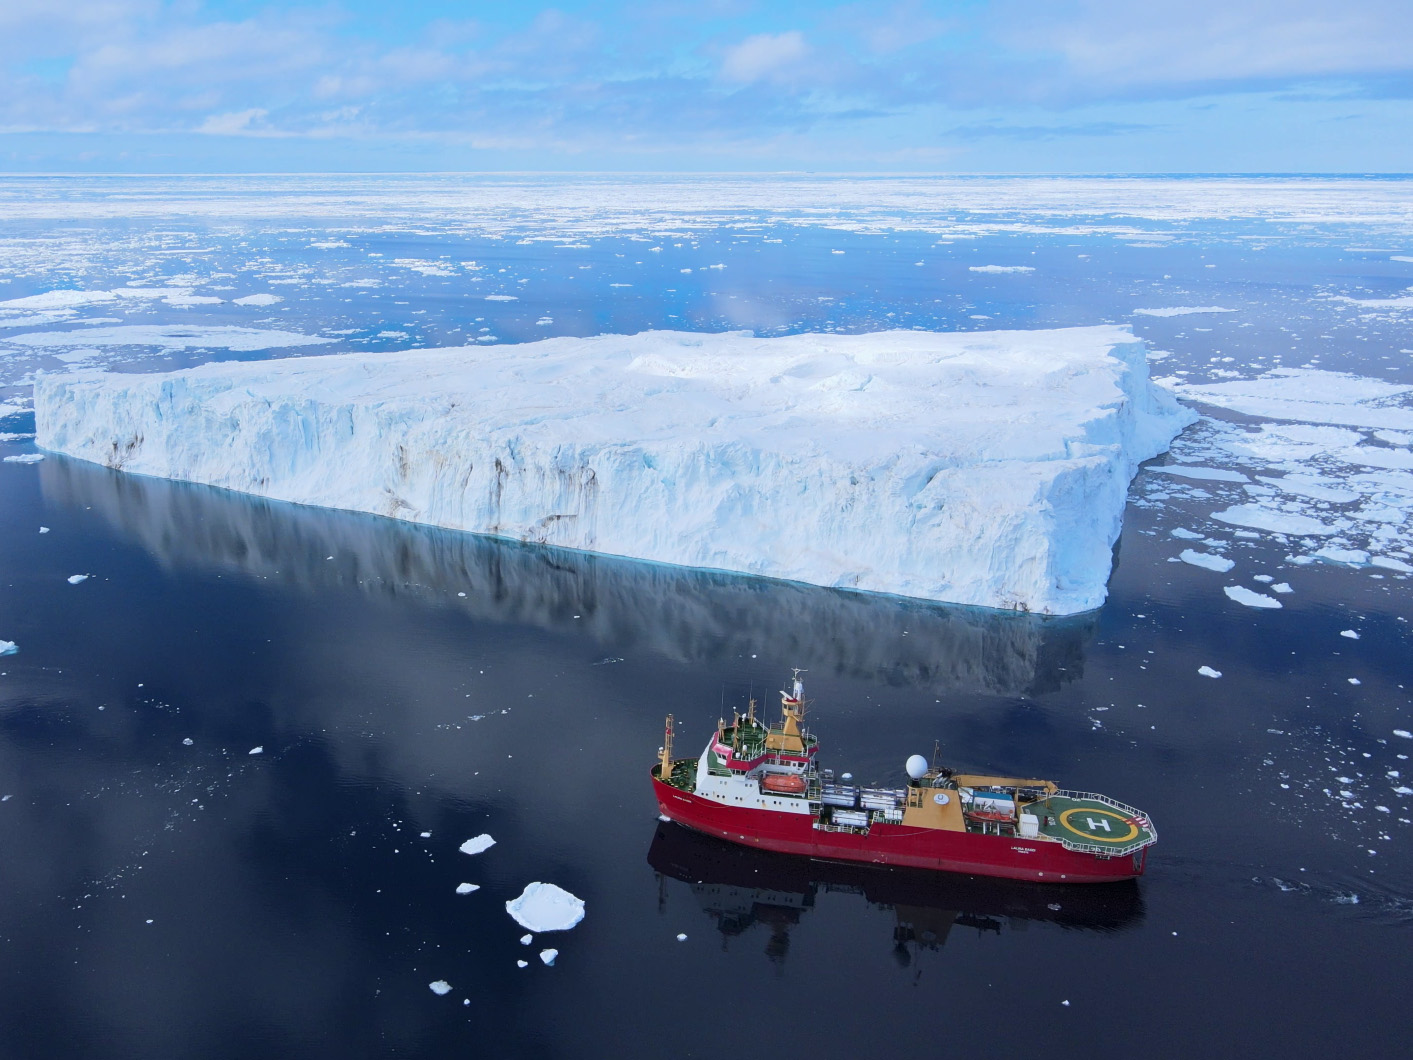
916, 767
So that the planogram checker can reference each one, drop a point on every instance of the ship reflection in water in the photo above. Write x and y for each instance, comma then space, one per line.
740, 888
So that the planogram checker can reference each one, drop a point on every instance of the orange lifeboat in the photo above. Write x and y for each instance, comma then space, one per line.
785, 783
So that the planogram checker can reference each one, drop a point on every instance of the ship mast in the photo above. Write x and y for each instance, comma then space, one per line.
665, 770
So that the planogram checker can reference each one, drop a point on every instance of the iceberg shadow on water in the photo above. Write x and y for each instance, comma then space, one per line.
692, 615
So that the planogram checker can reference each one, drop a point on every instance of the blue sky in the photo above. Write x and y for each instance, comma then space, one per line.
1016, 86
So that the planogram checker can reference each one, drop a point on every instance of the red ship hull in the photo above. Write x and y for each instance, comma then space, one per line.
891, 844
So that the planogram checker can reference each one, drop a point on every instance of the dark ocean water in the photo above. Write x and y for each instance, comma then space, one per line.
160, 898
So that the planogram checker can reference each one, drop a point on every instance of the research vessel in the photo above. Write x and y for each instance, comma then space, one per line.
760, 786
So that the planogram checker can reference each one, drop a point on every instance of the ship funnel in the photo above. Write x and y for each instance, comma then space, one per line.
916, 767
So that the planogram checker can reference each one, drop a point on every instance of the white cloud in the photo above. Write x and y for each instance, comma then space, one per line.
764, 56
232, 124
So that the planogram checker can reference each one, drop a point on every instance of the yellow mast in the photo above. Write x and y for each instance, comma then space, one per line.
665, 769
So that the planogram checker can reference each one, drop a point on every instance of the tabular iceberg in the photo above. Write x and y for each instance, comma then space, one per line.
986, 468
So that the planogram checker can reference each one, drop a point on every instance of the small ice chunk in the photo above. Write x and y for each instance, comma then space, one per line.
548, 956
25, 458
426, 835
440, 987
1389, 563
992, 268
1207, 671
478, 844
1403, 733
1352, 556
8, 647
847, 776
74, 579
467, 888
681, 937
522, 964
545, 907
257, 299
501, 297
1351, 634
1355, 681
525, 940
44, 529
1207, 474
1206, 560
257, 750
1242, 595
1186, 534
1065, 1003
1265, 579
1282, 587
187, 742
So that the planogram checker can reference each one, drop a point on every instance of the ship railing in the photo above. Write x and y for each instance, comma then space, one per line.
1112, 850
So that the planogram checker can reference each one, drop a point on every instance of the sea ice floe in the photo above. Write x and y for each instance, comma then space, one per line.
1212, 474
1001, 268
548, 956
1260, 517
525, 940
440, 987
522, 964
8, 647
25, 458
1185, 534
477, 844
1403, 733
467, 888
544, 907
257, 299
985, 468
1242, 595
172, 336
74, 579
1350, 633
1310, 395
1181, 311
501, 298
1207, 671
1220, 564
257, 750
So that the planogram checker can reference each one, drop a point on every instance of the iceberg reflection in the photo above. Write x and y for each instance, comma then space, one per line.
680, 613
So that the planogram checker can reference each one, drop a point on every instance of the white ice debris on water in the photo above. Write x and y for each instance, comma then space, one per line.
171, 336
477, 844
525, 940
1403, 733
440, 987
1242, 595
681, 937
1220, 564
522, 964
1211, 474
544, 907
1207, 671
74, 579
257, 750
1002, 268
467, 888
1181, 311
8, 647
257, 299
548, 956
1350, 633
986, 468
24, 458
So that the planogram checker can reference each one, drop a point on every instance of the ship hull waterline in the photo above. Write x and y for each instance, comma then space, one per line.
892, 844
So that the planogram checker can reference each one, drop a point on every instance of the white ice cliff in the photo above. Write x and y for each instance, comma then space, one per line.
984, 468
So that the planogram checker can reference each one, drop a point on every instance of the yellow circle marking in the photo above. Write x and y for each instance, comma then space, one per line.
1132, 828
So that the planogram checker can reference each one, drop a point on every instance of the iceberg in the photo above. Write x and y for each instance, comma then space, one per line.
985, 468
